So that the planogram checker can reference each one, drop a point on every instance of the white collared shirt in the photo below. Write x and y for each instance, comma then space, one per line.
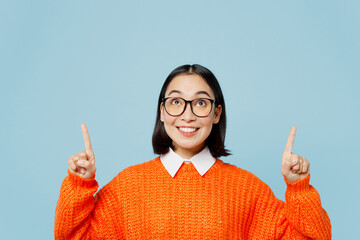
201, 161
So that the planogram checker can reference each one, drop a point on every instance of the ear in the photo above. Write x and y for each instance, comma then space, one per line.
162, 112
217, 116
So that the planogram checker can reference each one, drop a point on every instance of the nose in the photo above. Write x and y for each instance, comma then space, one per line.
188, 115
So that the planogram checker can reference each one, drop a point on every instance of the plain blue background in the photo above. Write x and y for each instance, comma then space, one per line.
280, 63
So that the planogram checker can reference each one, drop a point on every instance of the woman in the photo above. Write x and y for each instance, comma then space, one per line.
187, 192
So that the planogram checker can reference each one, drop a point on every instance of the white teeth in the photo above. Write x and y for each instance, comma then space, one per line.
187, 129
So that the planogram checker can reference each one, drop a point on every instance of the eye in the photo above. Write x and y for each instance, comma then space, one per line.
201, 103
175, 101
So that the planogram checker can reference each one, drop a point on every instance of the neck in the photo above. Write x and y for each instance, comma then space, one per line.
188, 153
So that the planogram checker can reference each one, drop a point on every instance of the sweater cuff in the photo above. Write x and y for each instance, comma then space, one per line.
82, 182
300, 185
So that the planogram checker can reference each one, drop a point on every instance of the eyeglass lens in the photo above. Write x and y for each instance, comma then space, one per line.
201, 107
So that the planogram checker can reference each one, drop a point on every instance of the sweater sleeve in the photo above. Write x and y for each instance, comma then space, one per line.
304, 211
80, 215
300, 217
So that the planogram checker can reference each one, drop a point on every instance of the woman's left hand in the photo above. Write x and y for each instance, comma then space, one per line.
294, 167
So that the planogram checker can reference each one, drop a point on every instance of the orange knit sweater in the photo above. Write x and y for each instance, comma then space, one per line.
144, 202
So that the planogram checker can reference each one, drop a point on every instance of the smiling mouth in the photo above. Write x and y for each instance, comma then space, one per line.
188, 129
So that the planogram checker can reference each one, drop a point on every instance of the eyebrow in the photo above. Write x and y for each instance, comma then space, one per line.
197, 93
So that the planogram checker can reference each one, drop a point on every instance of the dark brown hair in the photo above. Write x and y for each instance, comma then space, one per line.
215, 142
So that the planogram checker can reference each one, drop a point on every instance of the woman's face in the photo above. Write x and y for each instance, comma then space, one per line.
187, 131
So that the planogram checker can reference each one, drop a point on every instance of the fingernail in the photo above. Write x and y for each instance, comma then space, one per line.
80, 162
294, 161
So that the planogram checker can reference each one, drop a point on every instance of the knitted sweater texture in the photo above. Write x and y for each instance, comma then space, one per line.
145, 202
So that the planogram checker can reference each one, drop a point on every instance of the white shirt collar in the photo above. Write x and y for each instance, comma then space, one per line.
201, 161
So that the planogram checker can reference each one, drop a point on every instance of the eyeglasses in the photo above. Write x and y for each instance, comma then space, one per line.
200, 107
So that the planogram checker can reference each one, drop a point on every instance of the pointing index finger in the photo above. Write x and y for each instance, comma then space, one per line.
86, 138
290, 141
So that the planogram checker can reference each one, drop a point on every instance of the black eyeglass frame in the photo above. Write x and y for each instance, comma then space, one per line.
212, 102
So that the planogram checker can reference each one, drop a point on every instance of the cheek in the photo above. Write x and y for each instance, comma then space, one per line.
168, 120
209, 120
207, 123
169, 126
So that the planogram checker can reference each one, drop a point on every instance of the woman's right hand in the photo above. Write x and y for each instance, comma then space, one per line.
83, 163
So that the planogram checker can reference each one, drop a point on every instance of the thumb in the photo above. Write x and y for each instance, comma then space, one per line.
287, 164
